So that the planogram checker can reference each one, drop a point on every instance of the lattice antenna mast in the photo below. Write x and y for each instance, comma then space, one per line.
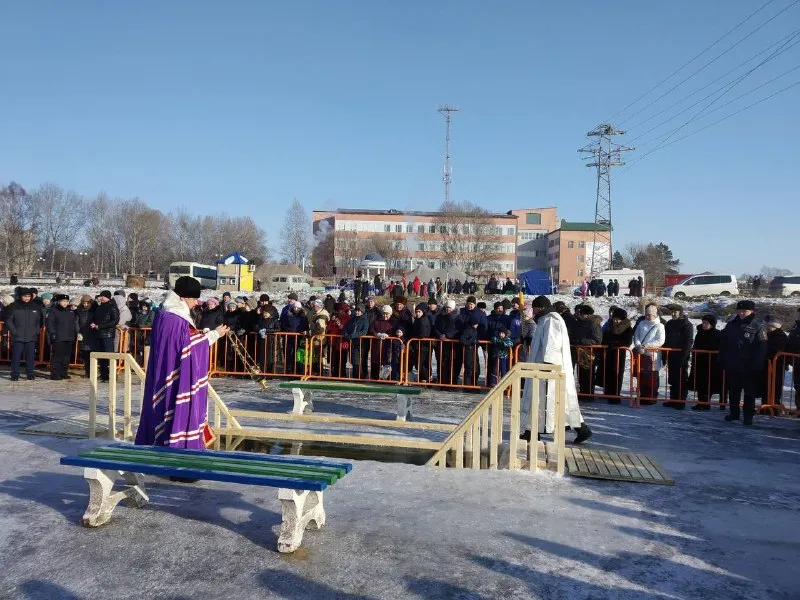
603, 154
447, 176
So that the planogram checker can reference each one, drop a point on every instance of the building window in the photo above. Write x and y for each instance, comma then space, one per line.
420, 228
580, 272
580, 259
387, 228
570, 244
398, 229
222, 281
431, 228
581, 244
510, 231
533, 218
232, 281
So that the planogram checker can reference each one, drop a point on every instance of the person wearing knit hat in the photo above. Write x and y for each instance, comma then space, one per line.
386, 309
742, 354
450, 304
506, 304
212, 302
706, 375
231, 305
62, 330
105, 294
471, 300
550, 345
178, 368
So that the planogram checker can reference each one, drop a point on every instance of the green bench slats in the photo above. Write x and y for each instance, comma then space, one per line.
163, 471
252, 456
216, 464
375, 388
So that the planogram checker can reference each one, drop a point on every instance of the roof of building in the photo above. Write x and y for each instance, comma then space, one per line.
412, 213
233, 259
576, 226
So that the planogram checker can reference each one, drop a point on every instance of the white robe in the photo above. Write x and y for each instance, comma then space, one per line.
551, 345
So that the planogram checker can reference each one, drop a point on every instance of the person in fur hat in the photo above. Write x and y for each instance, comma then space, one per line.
617, 337
62, 330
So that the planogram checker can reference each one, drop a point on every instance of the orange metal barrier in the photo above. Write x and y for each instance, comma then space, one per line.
603, 366
331, 355
773, 401
447, 358
276, 355
700, 374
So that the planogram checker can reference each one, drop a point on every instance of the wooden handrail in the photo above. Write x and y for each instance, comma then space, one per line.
482, 429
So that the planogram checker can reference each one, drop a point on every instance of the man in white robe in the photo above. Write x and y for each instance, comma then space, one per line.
550, 345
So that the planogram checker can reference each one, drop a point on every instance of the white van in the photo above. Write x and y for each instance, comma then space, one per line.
785, 285
291, 283
703, 285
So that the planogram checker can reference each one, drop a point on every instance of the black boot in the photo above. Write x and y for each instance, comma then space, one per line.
526, 435
584, 433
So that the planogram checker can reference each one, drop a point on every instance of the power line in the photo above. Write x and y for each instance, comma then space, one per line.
725, 118
729, 88
717, 41
713, 81
787, 45
713, 60
733, 101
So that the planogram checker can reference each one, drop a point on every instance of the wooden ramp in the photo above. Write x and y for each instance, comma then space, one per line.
618, 466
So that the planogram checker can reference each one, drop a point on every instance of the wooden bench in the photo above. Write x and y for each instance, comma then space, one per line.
300, 481
302, 394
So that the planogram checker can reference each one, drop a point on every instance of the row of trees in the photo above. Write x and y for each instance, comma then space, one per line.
656, 260
52, 229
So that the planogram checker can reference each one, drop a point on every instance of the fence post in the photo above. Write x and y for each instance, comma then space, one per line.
92, 395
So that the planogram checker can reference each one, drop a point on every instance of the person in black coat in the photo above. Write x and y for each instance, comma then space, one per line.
706, 375
617, 335
741, 355
86, 335
268, 324
420, 350
588, 332
446, 329
62, 330
24, 324
106, 317
679, 334
356, 328
777, 340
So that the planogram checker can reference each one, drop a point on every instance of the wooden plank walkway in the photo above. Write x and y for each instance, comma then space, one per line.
618, 466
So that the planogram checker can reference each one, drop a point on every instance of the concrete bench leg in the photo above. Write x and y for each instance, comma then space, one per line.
102, 502
301, 511
302, 401
405, 405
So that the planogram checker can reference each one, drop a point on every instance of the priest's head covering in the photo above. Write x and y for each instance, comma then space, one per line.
187, 287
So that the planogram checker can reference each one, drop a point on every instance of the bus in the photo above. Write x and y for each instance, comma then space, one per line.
205, 274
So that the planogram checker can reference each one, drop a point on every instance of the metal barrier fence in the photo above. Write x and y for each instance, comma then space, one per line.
448, 364
280, 354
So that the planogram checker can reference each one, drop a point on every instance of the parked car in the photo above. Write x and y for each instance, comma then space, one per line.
708, 284
785, 285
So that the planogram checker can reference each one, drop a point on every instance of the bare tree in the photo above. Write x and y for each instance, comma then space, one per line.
390, 248
468, 238
18, 228
60, 215
295, 234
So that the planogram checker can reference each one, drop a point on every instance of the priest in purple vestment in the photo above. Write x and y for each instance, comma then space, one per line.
174, 409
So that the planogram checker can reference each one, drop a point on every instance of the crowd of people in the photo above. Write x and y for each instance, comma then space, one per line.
365, 340
363, 287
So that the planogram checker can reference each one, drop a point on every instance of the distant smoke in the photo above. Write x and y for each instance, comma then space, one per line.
323, 230
412, 244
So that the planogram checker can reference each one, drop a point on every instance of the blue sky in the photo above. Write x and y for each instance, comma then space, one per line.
243, 106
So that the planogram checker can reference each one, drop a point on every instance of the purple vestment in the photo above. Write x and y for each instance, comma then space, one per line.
175, 406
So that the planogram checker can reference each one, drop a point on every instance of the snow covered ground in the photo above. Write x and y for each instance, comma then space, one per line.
727, 529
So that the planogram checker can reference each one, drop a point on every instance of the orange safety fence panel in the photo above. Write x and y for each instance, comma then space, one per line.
368, 358
279, 354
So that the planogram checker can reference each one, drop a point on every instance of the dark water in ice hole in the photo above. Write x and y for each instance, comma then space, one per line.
348, 452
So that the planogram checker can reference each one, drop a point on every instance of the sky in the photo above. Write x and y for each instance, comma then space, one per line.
243, 106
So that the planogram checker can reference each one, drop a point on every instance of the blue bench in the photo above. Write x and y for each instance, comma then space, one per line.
300, 481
